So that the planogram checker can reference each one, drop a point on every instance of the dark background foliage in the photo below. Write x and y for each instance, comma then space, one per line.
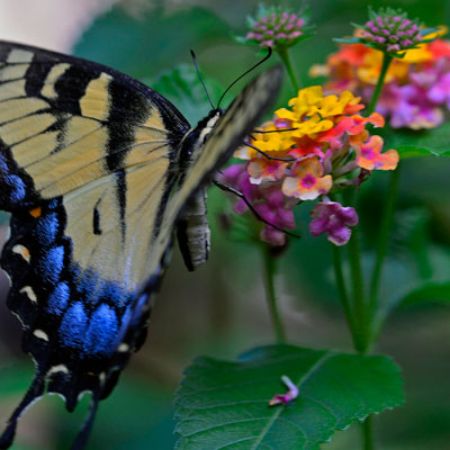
219, 310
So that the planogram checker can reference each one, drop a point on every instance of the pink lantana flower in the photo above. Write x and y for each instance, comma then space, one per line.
267, 200
308, 180
289, 396
335, 220
416, 92
317, 146
369, 155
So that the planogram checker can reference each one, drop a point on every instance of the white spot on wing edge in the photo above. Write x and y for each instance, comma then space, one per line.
28, 291
22, 251
123, 348
60, 368
40, 334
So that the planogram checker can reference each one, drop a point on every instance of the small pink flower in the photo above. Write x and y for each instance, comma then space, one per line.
264, 169
307, 181
267, 200
289, 396
335, 220
369, 155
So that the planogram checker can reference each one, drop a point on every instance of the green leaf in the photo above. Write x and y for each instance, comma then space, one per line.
184, 89
431, 291
414, 144
223, 404
142, 47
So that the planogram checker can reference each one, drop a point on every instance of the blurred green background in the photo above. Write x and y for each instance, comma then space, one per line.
219, 310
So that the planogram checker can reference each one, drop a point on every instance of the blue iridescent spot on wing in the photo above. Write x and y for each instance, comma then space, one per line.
3, 165
47, 229
51, 264
18, 189
101, 334
59, 299
54, 203
73, 326
115, 293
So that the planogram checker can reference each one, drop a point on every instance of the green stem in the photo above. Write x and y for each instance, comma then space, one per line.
357, 282
369, 310
387, 59
283, 52
367, 433
383, 242
343, 295
269, 278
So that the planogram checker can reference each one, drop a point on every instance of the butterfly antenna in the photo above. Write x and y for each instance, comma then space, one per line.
199, 75
239, 78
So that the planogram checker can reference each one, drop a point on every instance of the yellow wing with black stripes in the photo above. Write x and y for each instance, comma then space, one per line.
65, 122
96, 169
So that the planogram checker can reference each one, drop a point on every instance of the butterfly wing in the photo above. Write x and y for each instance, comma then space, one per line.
89, 167
65, 122
87, 158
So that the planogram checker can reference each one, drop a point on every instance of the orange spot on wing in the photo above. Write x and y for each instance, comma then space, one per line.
36, 212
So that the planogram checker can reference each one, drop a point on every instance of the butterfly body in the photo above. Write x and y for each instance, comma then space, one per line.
98, 171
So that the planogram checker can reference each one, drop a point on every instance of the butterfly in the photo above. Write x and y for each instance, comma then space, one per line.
99, 173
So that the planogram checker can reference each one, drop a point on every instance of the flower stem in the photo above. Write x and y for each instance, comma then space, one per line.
357, 282
387, 59
383, 242
343, 294
369, 310
367, 433
357, 279
269, 278
283, 52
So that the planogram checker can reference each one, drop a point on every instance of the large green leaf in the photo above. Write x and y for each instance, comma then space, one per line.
413, 144
223, 404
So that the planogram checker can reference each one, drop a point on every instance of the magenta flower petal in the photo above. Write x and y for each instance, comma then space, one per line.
333, 219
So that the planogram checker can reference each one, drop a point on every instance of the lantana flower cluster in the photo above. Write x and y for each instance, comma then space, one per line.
391, 31
416, 93
312, 149
276, 27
